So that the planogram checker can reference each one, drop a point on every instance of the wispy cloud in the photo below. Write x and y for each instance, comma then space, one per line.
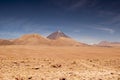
78, 4
111, 31
115, 19
74, 4
14, 27
104, 13
110, 17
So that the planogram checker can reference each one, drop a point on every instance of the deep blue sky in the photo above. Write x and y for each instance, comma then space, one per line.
87, 21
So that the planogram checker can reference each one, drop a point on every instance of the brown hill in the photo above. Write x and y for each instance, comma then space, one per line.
36, 39
57, 38
5, 42
62, 41
31, 39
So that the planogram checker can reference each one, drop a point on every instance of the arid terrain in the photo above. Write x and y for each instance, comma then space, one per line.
59, 39
25, 62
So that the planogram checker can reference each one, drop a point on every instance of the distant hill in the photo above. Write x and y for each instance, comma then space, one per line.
5, 42
107, 43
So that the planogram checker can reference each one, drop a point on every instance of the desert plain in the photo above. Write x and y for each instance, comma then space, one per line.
25, 62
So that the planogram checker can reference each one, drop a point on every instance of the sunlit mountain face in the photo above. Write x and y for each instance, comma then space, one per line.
88, 21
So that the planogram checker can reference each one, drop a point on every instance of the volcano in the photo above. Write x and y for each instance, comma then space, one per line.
59, 38
56, 35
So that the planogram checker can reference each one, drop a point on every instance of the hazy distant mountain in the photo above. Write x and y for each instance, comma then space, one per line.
107, 43
104, 43
115, 42
57, 34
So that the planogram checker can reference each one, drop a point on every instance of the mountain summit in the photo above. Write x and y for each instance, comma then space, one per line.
58, 38
57, 34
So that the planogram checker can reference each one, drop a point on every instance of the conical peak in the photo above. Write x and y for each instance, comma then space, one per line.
57, 34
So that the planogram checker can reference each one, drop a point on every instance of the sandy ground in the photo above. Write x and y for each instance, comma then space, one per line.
59, 63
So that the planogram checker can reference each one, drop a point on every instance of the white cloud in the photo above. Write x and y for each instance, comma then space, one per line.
111, 31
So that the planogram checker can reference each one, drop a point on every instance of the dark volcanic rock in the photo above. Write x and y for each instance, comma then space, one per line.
57, 34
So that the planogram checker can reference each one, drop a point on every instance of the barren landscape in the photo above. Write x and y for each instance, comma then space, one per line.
59, 39
25, 62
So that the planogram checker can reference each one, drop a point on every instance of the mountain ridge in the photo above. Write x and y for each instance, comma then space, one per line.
58, 39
